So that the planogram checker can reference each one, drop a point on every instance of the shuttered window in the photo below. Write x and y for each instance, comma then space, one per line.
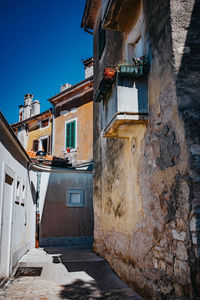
35, 145
71, 134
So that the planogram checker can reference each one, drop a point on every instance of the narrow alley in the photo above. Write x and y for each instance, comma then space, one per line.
64, 273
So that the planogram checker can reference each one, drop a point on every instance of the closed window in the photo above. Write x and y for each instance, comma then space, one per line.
35, 145
75, 198
71, 134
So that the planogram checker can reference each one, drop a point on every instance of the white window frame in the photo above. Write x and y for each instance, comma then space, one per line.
40, 141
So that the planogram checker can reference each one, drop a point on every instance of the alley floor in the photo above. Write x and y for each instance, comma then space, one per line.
65, 273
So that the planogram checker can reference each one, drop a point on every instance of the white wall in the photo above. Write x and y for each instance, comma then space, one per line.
20, 222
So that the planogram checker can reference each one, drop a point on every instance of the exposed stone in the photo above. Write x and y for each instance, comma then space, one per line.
169, 258
181, 252
180, 236
180, 225
195, 238
162, 265
193, 224
181, 272
155, 263
170, 270
158, 254
178, 289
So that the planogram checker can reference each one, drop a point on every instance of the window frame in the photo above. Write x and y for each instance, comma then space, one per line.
75, 135
43, 121
75, 191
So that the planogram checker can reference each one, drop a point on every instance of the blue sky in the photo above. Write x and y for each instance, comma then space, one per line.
42, 45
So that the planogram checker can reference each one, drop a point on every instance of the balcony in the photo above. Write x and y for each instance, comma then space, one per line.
125, 100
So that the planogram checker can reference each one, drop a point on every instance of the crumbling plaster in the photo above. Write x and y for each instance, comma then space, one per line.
145, 223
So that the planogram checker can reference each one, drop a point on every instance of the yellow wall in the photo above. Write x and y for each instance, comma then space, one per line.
84, 115
36, 134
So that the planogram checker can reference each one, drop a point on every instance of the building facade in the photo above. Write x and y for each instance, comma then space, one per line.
18, 187
34, 129
146, 143
73, 119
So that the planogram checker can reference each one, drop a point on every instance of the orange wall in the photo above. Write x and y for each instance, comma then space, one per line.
84, 115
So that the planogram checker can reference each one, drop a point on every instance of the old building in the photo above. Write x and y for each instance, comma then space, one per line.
146, 142
34, 128
73, 120
17, 200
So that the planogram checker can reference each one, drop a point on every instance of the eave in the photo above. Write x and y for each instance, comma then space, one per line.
73, 91
90, 13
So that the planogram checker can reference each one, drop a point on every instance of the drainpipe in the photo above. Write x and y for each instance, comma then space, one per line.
37, 212
52, 130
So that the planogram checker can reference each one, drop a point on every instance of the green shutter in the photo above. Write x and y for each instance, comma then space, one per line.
70, 134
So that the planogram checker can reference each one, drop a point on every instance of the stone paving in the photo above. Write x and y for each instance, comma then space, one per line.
67, 273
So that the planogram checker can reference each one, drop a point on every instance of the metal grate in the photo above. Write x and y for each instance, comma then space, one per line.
28, 271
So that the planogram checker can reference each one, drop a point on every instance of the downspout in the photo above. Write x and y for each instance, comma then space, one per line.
52, 130
37, 211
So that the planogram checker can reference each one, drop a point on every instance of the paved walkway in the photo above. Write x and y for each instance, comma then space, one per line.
65, 273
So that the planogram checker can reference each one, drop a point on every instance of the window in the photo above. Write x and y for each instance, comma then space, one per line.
18, 192
45, 144
75, 198
44, 123
101, 40
35, 145
71, 134
23, 195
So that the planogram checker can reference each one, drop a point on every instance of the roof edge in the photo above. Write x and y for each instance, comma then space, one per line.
14, 138
70, 88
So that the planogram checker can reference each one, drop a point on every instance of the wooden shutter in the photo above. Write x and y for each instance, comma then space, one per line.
71, 135
35, 145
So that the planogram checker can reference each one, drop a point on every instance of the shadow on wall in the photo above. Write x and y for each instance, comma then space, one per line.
187, 88
32, 188
62, 223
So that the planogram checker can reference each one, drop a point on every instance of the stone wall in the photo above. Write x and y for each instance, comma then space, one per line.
146, 188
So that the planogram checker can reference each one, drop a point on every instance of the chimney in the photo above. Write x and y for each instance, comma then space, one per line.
65, 86
35, 108
20, 113
27, 106
88, 64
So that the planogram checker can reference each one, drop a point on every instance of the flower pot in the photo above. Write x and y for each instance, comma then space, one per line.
108, 72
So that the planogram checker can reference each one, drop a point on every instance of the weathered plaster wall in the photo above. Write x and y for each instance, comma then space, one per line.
37, 134
146, 188
57, 219
84, 132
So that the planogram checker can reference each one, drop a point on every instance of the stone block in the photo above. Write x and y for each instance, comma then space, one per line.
178, 289
181, 225
181, 271
162, 265
155, 263
170, 270
169, 258
180, 236
193, 224
181, 252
